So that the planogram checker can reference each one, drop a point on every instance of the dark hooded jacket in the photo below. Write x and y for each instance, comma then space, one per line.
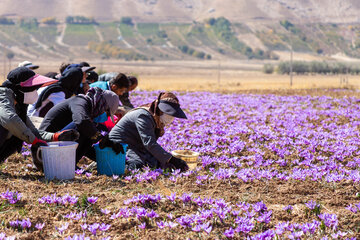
68, 83
80, 109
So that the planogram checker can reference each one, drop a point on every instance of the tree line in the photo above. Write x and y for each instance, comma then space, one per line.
314, 67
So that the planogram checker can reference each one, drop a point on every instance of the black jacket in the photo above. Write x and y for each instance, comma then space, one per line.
75, 109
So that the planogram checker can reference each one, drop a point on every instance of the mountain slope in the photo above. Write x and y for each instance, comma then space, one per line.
338, 11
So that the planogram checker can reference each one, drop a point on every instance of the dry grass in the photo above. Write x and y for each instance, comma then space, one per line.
244, 81
205, 76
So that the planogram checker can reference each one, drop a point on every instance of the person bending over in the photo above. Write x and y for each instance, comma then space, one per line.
118, 85
124, 98
78, 113
16, 93
140, 129
56, 93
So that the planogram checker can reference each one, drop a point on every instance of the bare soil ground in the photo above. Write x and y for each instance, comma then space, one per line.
18, 176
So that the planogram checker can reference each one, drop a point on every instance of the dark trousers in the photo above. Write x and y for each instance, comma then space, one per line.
137, 160
85, 147
10, 146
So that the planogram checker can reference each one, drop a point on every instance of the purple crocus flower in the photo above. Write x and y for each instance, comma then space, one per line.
142, 226
63, 228
40, 226
105, 211
84, 226
186, 197
170, 224
229, 233
330, 220
288, 208
160, 224
79, 171
77, 237
312, 204
93, 228
172, 197
92, 200
104, 227
25, 223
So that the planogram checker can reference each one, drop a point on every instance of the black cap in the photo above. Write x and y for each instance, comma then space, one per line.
92, 76
84, 64
20, 74
172, 109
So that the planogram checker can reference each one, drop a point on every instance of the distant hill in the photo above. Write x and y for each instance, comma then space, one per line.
335, 11
180, 29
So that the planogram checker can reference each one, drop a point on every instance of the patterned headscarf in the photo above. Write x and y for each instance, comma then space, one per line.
101, 101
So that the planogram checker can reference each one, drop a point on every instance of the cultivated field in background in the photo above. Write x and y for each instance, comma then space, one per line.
231, 76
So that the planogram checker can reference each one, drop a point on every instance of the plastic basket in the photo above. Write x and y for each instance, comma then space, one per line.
108, 162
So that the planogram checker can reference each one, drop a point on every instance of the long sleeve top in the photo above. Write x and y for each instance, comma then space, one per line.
75, 109
137, 129
13, 124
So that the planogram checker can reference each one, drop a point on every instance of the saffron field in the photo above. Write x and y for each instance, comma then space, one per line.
271, 167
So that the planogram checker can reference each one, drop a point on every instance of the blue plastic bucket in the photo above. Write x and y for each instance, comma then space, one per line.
108, 162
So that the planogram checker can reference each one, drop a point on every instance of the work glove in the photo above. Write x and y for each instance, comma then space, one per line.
34, 147
97, 137
66, 135
178, 163
116, 146
38, 143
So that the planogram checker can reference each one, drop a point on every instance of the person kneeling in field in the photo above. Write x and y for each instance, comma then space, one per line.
119, 85
124, 98
49, 96
140, 129
19, 90
78, 113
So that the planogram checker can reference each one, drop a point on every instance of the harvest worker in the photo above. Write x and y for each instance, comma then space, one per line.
140, 129
124, 98
28, 64
118, 85
78, 113
56, 93
16, 93
84, 86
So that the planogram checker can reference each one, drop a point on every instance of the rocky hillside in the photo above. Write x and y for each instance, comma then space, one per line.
336, 11
180, 29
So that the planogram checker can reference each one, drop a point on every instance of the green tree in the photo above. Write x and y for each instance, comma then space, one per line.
10, 56
127, 21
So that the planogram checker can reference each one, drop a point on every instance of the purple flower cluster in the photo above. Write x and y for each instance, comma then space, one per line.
54, 199
307, 138
3, 237
78, 237
63, 227
23, 224
306, 129
144, 199
312, 205
96, 227
354, 209
76, 216
146, 175
11, 197
139, 213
